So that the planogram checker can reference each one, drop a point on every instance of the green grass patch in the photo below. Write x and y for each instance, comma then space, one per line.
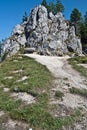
37, 117
33, 93
75, 64
80, 59
82, 92
59, 94
7, 103
38, 76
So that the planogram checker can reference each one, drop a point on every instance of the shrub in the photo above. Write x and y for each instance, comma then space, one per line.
59, 94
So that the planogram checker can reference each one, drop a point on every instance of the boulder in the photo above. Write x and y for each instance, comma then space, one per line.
29, 50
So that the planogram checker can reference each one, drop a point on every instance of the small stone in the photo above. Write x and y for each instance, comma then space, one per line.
29, 99
6, 89
22, 79
8, 77
30, 128
1, 113
16, 89
15, 60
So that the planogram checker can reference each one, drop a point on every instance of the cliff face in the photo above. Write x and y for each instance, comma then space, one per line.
46, 33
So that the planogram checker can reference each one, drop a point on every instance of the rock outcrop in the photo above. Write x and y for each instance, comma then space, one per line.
51, 34
46, 33
17, 39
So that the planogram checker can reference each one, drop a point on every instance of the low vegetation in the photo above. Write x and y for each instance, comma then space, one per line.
59, 94
75, 62
79, 59
37, 84
35, 115
82, 92
15, 68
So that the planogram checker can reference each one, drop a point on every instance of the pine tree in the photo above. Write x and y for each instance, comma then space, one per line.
59, 6
25, 17
85, 18
53, 7
83, 31
44, 3
76, 18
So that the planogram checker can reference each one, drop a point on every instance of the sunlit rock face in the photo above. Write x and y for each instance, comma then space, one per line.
51, 34
47, 34
13, 44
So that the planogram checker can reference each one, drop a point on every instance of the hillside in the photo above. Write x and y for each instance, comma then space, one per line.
31, 96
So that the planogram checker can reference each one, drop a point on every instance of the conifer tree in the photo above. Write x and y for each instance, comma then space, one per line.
59, 6
44, 3
76, 18
25, 17
53, 7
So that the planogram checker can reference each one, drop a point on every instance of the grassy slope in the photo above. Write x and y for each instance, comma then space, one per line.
75, 62
38, 79
79, 60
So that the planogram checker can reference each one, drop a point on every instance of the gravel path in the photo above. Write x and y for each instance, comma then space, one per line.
65, 78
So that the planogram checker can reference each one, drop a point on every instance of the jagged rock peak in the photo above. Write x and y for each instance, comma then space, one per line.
46, 33
38, 14
51, 33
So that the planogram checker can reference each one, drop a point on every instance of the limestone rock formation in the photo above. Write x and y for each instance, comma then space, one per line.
46, 33
17, 39
51, 34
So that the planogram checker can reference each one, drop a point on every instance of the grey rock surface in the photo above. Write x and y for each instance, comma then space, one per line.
13, 44
48, 32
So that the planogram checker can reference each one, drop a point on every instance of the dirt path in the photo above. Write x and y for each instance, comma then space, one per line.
65, 78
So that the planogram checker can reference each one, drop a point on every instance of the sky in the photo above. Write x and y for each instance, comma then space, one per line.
12, 11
